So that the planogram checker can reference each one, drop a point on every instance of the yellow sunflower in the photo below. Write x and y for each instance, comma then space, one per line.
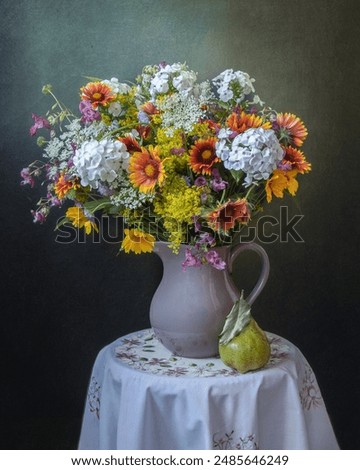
78, 219
137, 241
279, 182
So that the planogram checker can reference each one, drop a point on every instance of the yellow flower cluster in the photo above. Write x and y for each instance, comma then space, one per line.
166, 143
176, 206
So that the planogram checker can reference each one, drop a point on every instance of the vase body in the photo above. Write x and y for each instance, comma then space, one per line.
188, 310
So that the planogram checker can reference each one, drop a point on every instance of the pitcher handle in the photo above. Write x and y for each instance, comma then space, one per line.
265, 268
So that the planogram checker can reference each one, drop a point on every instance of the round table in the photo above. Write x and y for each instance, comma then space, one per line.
140, 396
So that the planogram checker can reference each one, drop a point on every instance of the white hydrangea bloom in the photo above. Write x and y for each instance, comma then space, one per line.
116, 86
177, 75
100, 161
228, 81
256, 152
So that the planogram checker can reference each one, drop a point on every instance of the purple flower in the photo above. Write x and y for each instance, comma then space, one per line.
275, 126
88, 113
218, 184
39, 217
105, 190
200, 181
284, 166
215, 260
143, 118
203, 198
39, 123
190, 260
197, 224
253, 110
55, 202
27, 178
206, 239
177, 151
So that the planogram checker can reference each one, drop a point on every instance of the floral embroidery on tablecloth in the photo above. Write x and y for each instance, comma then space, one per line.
142, 351
310, 395
94, 393
227, 442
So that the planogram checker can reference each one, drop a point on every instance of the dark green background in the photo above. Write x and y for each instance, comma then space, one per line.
61, 303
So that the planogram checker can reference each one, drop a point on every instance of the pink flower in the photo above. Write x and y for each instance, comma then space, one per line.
200, 181
218, 184
39, 217
27, 178
89, 114
190, 260
39, 123
215, 260
177, 151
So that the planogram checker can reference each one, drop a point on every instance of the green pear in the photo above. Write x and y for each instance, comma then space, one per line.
249, 350
242, 343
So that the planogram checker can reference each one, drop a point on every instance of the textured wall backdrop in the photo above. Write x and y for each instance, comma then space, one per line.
61, 303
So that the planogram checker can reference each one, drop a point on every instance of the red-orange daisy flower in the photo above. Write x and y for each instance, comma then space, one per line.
240, 122
292, 129
131, 143
146, 169
296, 159
63, 186
203, 156
227, 215
144, 131
97, 93
150, 108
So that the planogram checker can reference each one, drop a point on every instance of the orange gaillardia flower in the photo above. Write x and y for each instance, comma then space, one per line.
203, 156
131, 143
292, 129
279, 182
149, 108
227, 215
63, 186
240, 122
296, 159
146, 169
97, 93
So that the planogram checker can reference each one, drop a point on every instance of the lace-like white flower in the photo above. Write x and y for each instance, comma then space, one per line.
100, 161
180, 112
256, 152
230, 84
130, 197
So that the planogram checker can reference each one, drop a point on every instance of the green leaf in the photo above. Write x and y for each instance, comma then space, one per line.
61, 222
93, 206
236, 174
237, 319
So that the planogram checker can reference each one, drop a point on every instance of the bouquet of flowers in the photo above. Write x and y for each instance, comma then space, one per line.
179, 161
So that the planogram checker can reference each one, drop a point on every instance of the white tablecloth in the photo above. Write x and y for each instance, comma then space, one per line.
142, 397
